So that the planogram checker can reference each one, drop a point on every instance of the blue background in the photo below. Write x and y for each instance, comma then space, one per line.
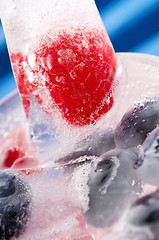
132, 25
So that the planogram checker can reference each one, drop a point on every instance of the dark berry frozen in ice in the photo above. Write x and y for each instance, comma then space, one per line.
137, 123
15, 199
110, 186
145, 213
148, 162
93, 145
141, 220
101, 141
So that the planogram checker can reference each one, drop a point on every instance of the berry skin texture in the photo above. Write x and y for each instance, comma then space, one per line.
15, 199
137, 123
71, 74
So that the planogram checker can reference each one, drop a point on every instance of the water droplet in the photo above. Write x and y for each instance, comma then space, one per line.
93, 122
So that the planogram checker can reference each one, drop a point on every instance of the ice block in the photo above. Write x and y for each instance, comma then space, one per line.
97, 192
64, 68
76, 167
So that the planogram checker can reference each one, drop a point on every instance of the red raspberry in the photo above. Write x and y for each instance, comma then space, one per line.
71, 73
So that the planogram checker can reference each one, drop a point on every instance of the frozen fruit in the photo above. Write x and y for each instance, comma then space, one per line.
72, 73
101, 141
148, 164
145, 210
110, 185
137, 123
15, 199
11, 155
15, 151
95, 144
144, 215
25, 162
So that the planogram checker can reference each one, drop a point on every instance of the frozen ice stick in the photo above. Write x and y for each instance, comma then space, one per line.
64, 67
73, 88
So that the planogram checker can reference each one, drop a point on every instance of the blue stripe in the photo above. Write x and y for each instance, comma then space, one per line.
120, 15
2, 39
150, 46
7, 85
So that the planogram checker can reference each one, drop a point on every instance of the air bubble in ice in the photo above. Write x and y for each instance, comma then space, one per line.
43, 79
73, 74
107, 100
93, 122
32, 60
80, 66
30, 76
66, 57
78, 189
49, 62
60, 79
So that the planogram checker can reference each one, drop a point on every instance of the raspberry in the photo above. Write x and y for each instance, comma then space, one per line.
71, 73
